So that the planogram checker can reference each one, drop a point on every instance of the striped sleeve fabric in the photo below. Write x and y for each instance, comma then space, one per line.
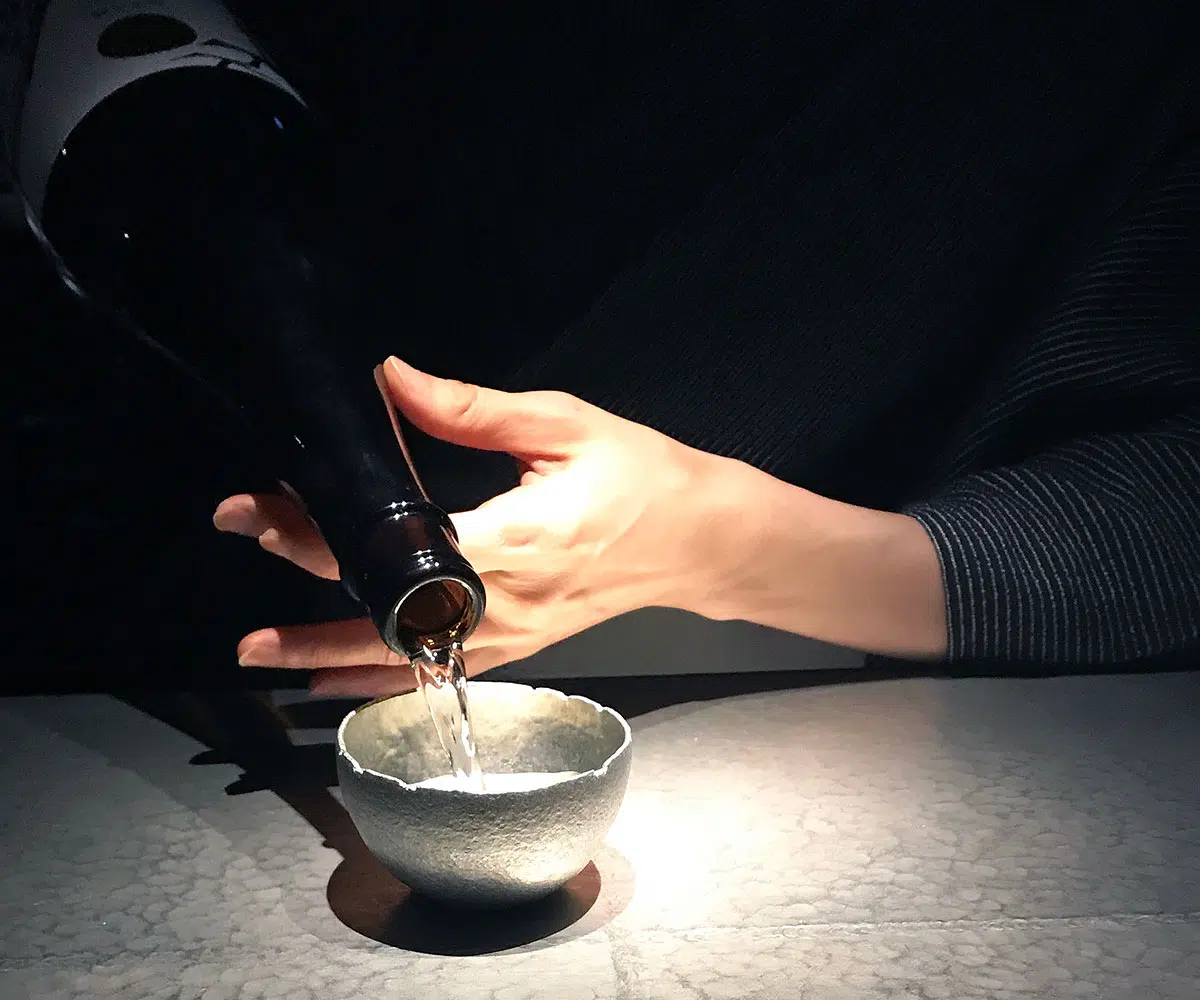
1088, 552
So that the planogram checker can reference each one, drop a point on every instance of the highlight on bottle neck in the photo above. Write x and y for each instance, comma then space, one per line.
418, 588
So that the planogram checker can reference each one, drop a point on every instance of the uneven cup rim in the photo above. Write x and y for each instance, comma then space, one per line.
596, 772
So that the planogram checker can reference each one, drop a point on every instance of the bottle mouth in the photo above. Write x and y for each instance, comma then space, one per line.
435, 614
409, 574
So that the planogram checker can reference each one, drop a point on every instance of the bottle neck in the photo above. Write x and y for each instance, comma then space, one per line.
255, 310
257, 307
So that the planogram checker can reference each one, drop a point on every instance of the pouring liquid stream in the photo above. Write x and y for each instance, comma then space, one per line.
442, 681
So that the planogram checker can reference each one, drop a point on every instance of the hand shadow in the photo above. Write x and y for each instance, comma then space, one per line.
244, 729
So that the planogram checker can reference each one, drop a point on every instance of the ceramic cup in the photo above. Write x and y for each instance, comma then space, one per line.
498, 848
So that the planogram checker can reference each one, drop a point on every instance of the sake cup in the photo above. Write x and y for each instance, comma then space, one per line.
506, 845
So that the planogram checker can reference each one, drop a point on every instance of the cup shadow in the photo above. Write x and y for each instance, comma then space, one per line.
243, 728
365, 897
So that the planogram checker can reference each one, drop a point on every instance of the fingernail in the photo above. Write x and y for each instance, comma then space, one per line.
255, 650
231, 520
403, 368
221, 518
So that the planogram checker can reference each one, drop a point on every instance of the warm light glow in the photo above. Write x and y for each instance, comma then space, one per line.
746, 814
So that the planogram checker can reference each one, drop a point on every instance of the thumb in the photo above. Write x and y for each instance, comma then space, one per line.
524, 424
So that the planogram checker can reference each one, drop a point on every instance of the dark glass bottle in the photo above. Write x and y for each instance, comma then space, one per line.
194, 199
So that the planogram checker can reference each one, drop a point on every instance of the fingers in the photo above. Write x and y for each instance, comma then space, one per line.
347, 657
246, 514
374, 681
352, 643
366, 682
528, 425
280, 527
325, 644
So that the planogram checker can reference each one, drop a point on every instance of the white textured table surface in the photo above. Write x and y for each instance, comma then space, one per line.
914, 838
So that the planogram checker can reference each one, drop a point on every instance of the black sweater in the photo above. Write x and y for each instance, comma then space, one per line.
954, 271
937, 257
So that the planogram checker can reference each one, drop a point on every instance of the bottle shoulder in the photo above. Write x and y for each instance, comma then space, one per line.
186, 142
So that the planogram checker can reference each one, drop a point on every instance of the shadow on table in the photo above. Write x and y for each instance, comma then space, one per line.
370, 901
246, 730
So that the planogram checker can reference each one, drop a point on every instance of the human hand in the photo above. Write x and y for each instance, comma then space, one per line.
609, 516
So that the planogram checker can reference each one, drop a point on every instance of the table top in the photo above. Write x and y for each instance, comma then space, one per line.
930, 838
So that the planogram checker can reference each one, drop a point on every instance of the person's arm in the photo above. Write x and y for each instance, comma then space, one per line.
1086, 552
792, 560
1089, 554
1084, 548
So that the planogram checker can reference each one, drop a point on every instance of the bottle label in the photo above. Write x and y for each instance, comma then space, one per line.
88, 49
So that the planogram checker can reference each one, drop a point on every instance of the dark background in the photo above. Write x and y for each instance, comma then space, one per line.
116, 464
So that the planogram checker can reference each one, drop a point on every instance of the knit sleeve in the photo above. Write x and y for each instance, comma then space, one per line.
1088, 552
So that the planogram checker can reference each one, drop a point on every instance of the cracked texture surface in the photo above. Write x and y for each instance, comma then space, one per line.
926, 839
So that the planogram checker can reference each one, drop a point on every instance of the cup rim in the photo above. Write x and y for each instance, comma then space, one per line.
597, 772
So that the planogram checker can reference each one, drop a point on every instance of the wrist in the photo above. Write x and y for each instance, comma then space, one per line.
784, 557
731, 563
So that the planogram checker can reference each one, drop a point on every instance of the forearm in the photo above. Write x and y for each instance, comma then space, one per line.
792, 560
